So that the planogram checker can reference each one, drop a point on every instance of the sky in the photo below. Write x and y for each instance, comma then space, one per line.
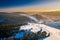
29, 5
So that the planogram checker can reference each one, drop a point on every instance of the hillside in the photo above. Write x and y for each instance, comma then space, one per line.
13, 22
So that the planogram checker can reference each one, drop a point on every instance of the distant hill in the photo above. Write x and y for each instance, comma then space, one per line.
42, 17
53, 24
38, 16
53, 13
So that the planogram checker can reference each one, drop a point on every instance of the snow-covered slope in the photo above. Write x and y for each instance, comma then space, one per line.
36, 27
55, 33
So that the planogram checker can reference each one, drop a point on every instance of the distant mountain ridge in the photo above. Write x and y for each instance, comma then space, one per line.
16, 18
